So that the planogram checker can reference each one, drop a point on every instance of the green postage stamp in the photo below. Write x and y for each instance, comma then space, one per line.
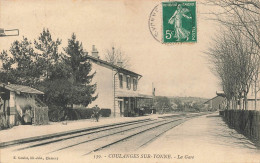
179, 21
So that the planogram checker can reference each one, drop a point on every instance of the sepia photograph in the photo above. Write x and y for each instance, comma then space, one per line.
154, 81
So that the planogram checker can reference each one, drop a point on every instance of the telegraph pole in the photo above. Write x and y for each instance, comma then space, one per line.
153, 92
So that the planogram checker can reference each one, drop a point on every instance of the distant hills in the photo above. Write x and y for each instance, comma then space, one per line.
198, 100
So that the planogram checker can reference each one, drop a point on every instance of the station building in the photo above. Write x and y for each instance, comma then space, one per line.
117, 87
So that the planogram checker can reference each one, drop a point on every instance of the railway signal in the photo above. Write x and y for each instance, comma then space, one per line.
8, 32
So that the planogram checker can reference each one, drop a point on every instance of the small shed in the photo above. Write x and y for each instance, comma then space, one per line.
20, 104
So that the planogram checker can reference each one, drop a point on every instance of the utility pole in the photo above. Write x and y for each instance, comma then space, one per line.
153, 92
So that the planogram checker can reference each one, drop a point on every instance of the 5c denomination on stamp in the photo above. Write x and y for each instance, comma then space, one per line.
174, 21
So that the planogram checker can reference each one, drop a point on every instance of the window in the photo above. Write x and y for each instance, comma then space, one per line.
121, 80
128, 82
134, 84
252, 91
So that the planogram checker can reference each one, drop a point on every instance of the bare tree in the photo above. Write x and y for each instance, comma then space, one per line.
117, 57
244, 15
241, 18
235, 60
256, 81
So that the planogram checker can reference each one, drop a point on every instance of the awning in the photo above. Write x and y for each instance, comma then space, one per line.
21, 89
144, 96
133, 94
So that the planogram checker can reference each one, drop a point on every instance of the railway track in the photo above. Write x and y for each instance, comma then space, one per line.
124, 137
50, 136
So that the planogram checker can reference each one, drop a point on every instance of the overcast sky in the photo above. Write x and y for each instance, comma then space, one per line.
175, 70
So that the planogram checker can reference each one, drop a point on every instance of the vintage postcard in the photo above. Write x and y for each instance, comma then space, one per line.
160, 81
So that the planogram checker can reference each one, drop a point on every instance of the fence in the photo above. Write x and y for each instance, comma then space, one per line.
246, 122
3, 121
41, 116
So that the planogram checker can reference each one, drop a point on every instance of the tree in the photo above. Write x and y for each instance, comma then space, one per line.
244, 17
47, 52
241, 17
7, 62
64, 78
21, 66
179, 103
82, 90
246, 14
163, 103
29, 66
117, 57
197, 106
235, 60
256, 83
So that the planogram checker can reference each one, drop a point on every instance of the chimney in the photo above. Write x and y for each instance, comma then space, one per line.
94, 52
120, 63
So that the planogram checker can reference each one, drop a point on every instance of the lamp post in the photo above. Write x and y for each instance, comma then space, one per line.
8, 32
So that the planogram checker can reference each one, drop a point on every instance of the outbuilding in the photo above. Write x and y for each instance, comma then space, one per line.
216, 103
20, 104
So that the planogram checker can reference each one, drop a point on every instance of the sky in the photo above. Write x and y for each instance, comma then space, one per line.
174, 70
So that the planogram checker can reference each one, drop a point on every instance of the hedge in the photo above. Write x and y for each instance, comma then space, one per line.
75, 114
60, 114
56, 113
105, 112
246, 122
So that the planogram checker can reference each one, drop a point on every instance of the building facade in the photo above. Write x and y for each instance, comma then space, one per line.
117, 87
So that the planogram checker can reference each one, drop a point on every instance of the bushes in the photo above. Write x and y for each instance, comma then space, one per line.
56, 113
86, 113
60, 114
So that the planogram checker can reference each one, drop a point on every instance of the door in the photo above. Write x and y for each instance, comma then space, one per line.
126, 107
121, 108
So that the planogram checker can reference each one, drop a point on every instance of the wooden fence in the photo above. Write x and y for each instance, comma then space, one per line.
41, 116
246, 122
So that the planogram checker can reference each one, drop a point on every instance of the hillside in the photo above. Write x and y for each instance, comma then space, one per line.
198, 100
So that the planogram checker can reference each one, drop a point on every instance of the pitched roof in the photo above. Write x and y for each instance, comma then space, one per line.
20, 89
220, 93
212, 99
111, 65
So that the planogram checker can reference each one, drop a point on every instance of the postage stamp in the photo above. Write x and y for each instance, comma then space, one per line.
174, 22
179, 21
